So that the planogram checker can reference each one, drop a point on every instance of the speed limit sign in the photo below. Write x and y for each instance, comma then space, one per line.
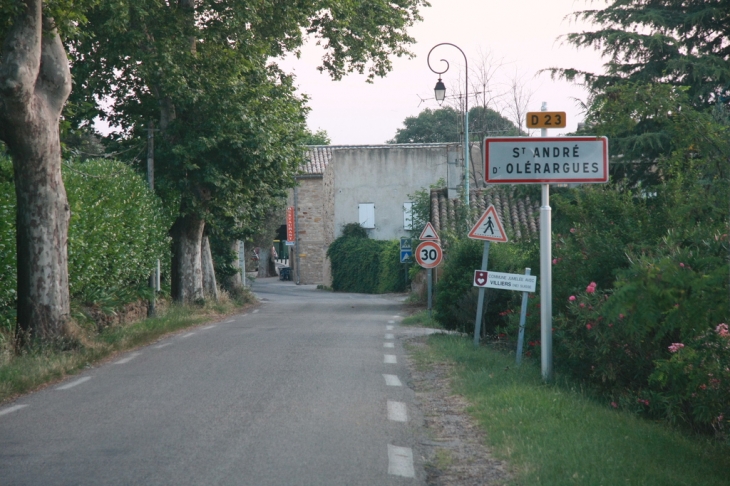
428, 254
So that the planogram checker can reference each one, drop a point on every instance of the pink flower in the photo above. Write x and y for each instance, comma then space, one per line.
572, 230
591, 287
589, 327
675, 347
614, 404
555, 261
571, 298
722, 330
720, 417
681, 264
620, 316
581, 305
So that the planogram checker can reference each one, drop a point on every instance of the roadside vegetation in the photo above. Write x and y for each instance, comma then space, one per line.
86, 344
560, 434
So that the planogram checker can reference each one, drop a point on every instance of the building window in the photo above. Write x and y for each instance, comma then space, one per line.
408, 216
367, 215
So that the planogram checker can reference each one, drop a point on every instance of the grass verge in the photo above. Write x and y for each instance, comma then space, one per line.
37, 367
421, 319
554, 435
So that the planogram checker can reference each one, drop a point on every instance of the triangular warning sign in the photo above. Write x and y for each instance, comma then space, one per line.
489, 227
428, 233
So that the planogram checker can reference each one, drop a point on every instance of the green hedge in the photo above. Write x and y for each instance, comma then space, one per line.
117, 231
362, 265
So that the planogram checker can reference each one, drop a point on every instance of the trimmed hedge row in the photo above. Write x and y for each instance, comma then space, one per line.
118, 230
367, 266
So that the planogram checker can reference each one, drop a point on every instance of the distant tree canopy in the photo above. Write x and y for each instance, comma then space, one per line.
320, 137
445, 125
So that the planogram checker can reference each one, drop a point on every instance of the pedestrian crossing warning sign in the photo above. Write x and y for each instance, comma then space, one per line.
428, 233
489, 227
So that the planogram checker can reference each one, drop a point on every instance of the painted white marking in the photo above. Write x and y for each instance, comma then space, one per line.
397, 317
255, 311
397, 411
73, 383
400, 461
392, 380
160, 346
388, 345
229, 320
388, 328
127, 359
389, 336
12, 409
390, 359
208, 327
391, 322
186, 335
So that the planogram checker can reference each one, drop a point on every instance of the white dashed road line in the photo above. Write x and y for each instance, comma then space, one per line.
229, 320
209, 327
256, 311
392, 380
388, 328
388, 345
73, 383
400, 461
160, 346
127, 359
397, 411
12, 409
186, 335
390, 359
389, 336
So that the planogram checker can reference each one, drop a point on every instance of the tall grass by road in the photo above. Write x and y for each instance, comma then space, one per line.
556, 435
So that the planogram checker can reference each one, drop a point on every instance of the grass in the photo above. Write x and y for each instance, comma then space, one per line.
555, 435
43, 365
421, 319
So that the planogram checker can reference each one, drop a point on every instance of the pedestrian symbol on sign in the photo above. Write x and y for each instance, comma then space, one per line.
489, 227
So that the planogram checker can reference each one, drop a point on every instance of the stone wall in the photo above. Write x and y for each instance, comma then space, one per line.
311, 233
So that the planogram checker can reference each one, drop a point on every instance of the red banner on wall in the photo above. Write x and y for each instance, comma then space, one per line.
290, 234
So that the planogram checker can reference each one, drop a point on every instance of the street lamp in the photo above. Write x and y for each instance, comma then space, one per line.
440, 94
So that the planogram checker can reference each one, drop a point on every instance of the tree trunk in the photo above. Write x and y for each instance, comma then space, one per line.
210, 288
234, 283
187, 272
264, 265
35, 82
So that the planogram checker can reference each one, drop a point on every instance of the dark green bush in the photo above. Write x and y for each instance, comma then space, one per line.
455, 304
360, 264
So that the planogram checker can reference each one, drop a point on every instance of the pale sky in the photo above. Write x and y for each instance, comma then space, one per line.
523, 34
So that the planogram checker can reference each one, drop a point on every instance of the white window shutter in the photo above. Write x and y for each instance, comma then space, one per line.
367, 215
407, 216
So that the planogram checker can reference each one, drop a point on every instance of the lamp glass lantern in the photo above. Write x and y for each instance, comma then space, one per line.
440, 91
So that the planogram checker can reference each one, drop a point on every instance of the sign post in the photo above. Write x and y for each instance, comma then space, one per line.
488, 228
523, 316
429, 255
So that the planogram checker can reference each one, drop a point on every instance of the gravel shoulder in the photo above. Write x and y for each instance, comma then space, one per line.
453, 444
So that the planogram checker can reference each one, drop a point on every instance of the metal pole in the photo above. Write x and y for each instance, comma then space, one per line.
480, 302
546, 279
242, 260
429, 289
523, 315
155, 277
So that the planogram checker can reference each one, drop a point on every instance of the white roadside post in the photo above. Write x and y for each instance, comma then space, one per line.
523, 316
545, 161
546, 278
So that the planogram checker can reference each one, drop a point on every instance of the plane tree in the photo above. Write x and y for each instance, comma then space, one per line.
203, 73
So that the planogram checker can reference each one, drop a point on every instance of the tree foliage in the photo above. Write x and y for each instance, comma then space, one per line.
445, 125
678, 43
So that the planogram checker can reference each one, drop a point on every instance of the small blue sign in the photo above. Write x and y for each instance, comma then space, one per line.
406, 256
405, 243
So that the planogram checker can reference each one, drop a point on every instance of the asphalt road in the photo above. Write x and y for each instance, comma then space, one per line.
302, 390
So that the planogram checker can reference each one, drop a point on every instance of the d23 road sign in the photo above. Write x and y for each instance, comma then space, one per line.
546, 119
505, 281
489, 227
527, 160
429, 254
429, 233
